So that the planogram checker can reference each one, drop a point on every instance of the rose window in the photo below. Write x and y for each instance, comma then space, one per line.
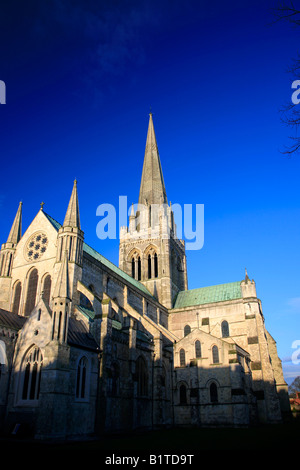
36, 246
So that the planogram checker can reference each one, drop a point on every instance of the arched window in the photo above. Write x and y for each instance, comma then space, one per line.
155, 265
187, 330
149, 266
81, 379
31, 374
17, 297
47, 289
31, 292
133, 268
182, 394
225, 329
139, 268
213, 392
182, 357
198, 348
215, 354
142, 378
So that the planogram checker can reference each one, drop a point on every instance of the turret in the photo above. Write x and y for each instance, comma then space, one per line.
70, 239
70, 235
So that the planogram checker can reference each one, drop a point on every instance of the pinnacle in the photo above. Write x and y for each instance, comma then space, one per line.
72, 218
152, 190
16, 229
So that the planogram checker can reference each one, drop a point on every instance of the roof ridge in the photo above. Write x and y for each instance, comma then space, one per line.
207, 287
209, 294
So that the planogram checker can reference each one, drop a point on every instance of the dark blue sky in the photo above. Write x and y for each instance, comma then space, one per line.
81, 77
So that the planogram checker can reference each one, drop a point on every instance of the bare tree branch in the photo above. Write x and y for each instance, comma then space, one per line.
290, 113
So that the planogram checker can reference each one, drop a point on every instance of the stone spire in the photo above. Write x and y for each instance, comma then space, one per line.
62, 287
15, 233
72, 218
152, 190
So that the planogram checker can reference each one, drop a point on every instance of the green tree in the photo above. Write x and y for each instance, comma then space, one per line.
294, 387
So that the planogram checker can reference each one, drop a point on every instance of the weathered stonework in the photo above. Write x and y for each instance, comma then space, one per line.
87, 347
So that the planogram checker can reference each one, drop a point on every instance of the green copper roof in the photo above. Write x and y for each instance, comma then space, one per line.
114, 268
207, 295
94, 254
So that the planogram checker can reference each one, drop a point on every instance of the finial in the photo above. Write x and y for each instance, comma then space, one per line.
42, 205
246, 275
150, 111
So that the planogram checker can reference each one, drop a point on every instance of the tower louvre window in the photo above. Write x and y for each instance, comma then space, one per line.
149, 266
139, 268
133, 268
155, 265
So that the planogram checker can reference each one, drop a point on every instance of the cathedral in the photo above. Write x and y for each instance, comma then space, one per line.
88, 347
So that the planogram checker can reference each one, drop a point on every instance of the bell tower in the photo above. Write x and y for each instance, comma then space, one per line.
149, 249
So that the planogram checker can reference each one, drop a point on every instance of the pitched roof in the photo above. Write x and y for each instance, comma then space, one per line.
77, 332
79, 336
206, 295
94, 254
11, 320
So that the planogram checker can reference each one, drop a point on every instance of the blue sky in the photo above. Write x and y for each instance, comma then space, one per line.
80, 79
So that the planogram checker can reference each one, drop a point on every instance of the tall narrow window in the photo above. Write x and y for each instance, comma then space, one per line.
187, 330
142, 378
198, 348
133, 268
149, 266
182, 357
225, 329
47, 289
155, 265
81, 381
182, 395
215, 354
139, 268
213, 391
17, 297
31, 373
31, 292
